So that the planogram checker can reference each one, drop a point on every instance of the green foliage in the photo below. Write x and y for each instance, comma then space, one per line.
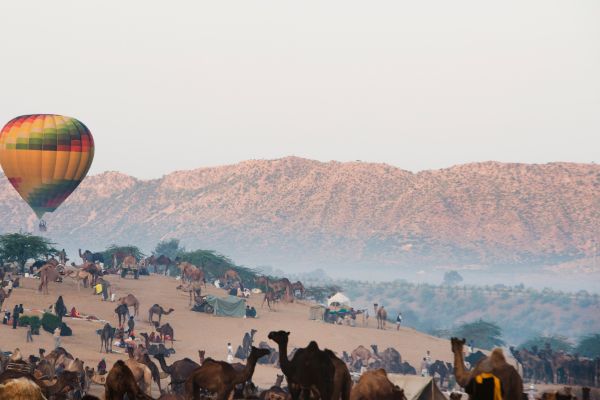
170, 248
20, 247
452, 278
33, 320
485, 335
50, 322
215, 265
321, 293
589, 346
556, 342
129, 250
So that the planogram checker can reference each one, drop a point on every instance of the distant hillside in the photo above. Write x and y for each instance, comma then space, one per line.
294, 211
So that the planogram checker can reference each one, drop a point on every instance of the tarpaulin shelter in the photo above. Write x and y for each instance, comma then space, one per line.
230, 306
338, 299
417, 387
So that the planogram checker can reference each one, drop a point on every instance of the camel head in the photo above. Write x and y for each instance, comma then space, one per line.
252, 332
279, 337
457, 344
201, 354
257, 353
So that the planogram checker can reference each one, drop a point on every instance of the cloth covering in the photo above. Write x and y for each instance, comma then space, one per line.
230, 306
417, 387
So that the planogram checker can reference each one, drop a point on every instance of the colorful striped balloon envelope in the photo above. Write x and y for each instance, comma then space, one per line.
45, 157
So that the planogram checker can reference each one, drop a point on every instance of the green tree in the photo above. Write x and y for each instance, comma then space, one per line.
170, 248
115, 249
215, 264
484, 334
20, 247
556, 342
589, 346
452, 278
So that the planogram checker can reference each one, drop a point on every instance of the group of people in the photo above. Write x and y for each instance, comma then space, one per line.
16, 313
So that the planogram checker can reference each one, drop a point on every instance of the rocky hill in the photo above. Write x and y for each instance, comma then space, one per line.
294, 211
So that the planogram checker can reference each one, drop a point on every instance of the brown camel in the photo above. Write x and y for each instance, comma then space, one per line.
131, 301
231, 275
375, 385
141, 373
220, 377
298, 287
107, 334
179, 371
4, 295
122, 312
381, 317
275, 392
201, 354
120, 382
49, 272
21, 389
79, 275
191, 273
309, 366
145, 359
361, 353
270, 297
495, 363
166, 330
156, 309
282, 285
342, 382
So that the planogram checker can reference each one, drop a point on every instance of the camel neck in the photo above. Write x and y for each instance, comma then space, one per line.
163, 364
460, 372
283, 358
248, 370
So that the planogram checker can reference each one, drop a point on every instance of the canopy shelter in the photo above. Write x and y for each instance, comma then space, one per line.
230, 306
417, 387
338, 300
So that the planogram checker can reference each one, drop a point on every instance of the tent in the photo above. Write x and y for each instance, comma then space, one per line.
417, 387
230, 306
338, 299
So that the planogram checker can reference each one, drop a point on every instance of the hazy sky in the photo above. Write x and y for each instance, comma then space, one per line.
167, 85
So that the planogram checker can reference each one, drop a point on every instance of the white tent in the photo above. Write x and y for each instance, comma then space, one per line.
338, 299
417, 387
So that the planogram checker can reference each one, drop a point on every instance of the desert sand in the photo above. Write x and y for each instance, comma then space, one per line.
195, 331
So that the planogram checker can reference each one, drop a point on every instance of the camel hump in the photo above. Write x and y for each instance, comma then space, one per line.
497, 356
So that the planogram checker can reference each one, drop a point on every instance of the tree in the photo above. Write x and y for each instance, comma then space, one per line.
556, 342
589, 346
452, 278
129, 250
484, 335
170, 248
215, 264
20, 247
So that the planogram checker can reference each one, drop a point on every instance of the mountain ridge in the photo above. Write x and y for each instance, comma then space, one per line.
295, 211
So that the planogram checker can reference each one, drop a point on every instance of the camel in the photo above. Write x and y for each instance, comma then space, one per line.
275, 392
280, 285
145, 359
156, 261
79, 276
56, 357
194, 289
361, 353
21, 389
179, 371
91, 257
156, 309
381, 317
231, 275
201, 354
122, 312
49, 272
4, 295
270, 298
191, 273
131, 301
129, 262
220, 377
141, 373
166, 330
107, 334
495, 363
309, 366
375, 385
120, 382
298, 287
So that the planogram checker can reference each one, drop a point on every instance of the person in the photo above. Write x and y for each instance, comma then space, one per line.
470, 347
424, 367
29, 332
229, 353
56, 336
102, 367
130, 325
398, 321
15, 316
21, 309
75, 313
98, 288
60, 309
6, 317
105, 288
428, 358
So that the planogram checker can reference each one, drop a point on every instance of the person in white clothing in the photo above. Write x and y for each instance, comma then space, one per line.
229, 353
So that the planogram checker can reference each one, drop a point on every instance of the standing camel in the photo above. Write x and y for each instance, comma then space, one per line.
120, 382
131, 301
381, 317
107, 334
280, 285
220, 377
141, 372
122, 312
79, 275
156, 309
48, 273
495, 364
166, 330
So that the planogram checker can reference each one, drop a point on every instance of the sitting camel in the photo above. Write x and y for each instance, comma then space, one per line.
275, 392
375, 385
157, 309
120, 382
220, 377
131, 301
495, 364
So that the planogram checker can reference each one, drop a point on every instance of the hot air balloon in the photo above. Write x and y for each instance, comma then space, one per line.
45, 157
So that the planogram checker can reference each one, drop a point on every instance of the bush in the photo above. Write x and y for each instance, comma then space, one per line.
32, 320
50, 322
